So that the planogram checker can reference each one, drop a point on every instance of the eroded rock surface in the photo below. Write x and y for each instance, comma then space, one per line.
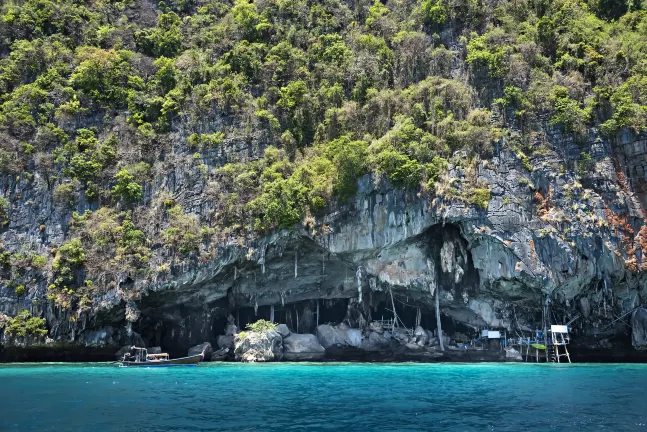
302, 347
262, 346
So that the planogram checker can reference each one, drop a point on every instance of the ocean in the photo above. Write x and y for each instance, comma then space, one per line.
324, 397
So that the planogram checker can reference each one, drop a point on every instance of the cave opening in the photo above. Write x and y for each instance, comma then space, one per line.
300, 317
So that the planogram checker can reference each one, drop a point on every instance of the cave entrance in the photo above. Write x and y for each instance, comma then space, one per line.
407, 313
299, 317
332, 311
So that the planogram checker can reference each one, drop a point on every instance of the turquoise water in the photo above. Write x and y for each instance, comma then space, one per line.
326, 397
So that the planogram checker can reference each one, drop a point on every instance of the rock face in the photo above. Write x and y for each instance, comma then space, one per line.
221, 355
199, 349
544, 238
512, 354
302, 347
341, 336
226, 342
283, 330
639, 329
262, 346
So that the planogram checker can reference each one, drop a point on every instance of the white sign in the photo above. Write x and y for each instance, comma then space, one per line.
559, 329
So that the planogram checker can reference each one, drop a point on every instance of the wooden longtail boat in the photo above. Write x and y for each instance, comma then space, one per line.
143, 359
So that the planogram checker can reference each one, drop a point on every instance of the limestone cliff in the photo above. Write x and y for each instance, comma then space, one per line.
166, 165
546, 237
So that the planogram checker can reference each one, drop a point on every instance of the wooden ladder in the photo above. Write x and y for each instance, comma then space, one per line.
550, 354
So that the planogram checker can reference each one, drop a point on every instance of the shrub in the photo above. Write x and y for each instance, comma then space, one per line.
64, 194
19, 290
399, 168
183, 232
4, 211
260, 326
479, 196
127, 188
24, 324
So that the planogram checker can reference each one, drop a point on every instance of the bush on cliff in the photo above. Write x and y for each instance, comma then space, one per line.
24, 324
261, 326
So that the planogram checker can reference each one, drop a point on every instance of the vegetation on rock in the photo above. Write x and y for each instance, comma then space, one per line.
108, 102
24, 324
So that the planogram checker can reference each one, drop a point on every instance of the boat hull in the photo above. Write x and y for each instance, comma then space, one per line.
183, 361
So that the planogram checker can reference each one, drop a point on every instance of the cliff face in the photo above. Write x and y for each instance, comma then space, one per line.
546, 238
168, 167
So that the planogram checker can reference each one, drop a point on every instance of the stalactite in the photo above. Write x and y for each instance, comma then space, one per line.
272, 313
296, 262
358, 276
323, 264
317, 312
297, 311
235, 272
262, 260
255, 307
282, 299
433, 286
395, 314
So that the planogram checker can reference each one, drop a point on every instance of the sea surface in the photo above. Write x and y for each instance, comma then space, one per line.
324, 397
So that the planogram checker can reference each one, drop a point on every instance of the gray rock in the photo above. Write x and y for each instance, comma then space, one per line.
401, 335
421, 336
639, 329
283, 330
198, 349
220, 355
100, 338
376, 327
338, 336
512, 354
127, 349
302, 347
225, 342
376, 341
258, 346
154, 350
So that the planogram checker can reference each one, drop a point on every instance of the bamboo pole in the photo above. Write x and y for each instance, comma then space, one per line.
395, 314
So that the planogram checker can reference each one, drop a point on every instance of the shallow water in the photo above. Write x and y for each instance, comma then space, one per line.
348, 397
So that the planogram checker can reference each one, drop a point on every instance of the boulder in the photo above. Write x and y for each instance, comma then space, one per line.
377, 341
231, 330
422, 338
512, 354
302, 347
126, 349
220, 355
376, 326
258, 346
639, 329
198, 349
338, 336
283, 330
154, 350
225, 342
401, 335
